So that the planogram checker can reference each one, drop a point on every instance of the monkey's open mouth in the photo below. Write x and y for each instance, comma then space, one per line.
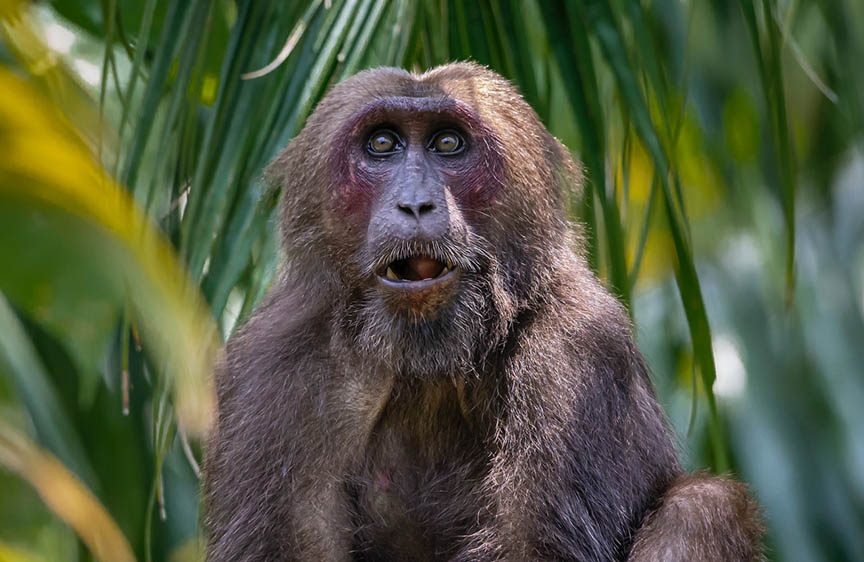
415, 271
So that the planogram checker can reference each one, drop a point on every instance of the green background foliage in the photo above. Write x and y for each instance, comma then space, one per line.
723, 148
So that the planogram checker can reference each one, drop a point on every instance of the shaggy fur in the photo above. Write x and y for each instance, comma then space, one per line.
509, 419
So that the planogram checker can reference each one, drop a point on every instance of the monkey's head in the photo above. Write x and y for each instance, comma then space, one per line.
430, 207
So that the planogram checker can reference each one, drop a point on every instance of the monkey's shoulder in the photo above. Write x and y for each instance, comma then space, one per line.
281, 339
578, 320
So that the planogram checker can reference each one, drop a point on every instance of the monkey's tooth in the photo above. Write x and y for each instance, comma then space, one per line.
444, 271
391, 275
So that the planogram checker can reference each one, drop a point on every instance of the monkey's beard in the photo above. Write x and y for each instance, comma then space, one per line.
454, 338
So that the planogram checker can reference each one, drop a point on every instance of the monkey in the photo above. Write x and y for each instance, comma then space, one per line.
436, 374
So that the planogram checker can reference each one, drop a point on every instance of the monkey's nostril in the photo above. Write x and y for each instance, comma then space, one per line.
416, 209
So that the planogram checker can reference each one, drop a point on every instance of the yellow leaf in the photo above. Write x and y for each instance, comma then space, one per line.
45, 163
65, 495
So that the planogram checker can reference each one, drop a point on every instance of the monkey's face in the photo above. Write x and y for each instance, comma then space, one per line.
413, 177
428, 207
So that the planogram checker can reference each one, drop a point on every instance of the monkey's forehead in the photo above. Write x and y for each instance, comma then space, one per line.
398, 108
474, 86
468, 95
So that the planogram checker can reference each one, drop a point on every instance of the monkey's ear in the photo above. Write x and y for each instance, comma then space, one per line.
571, 175
273, 175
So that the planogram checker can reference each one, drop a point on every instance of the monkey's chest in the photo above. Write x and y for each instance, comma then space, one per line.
420, 487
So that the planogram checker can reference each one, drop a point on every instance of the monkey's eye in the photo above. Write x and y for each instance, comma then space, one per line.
383, 142
447, 142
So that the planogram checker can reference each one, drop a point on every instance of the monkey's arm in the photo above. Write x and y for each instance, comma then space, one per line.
275, 467
584, 451
704, 518
585, 454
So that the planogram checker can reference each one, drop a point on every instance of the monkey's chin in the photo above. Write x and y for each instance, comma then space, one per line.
420, 299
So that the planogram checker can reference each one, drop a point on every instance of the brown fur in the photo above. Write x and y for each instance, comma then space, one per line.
695, 507
508, 418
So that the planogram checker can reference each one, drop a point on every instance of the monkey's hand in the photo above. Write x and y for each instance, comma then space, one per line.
711, 519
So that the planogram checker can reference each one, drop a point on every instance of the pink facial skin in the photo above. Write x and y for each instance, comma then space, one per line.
474, 177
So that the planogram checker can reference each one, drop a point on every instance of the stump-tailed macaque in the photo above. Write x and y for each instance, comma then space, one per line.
436, 374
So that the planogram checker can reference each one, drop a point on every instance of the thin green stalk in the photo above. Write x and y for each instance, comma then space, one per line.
612, 44
768, 59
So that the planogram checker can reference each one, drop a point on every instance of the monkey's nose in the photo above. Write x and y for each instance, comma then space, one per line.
416, 209
420, 218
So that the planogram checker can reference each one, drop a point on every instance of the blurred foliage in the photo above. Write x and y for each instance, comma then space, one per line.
723, 145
